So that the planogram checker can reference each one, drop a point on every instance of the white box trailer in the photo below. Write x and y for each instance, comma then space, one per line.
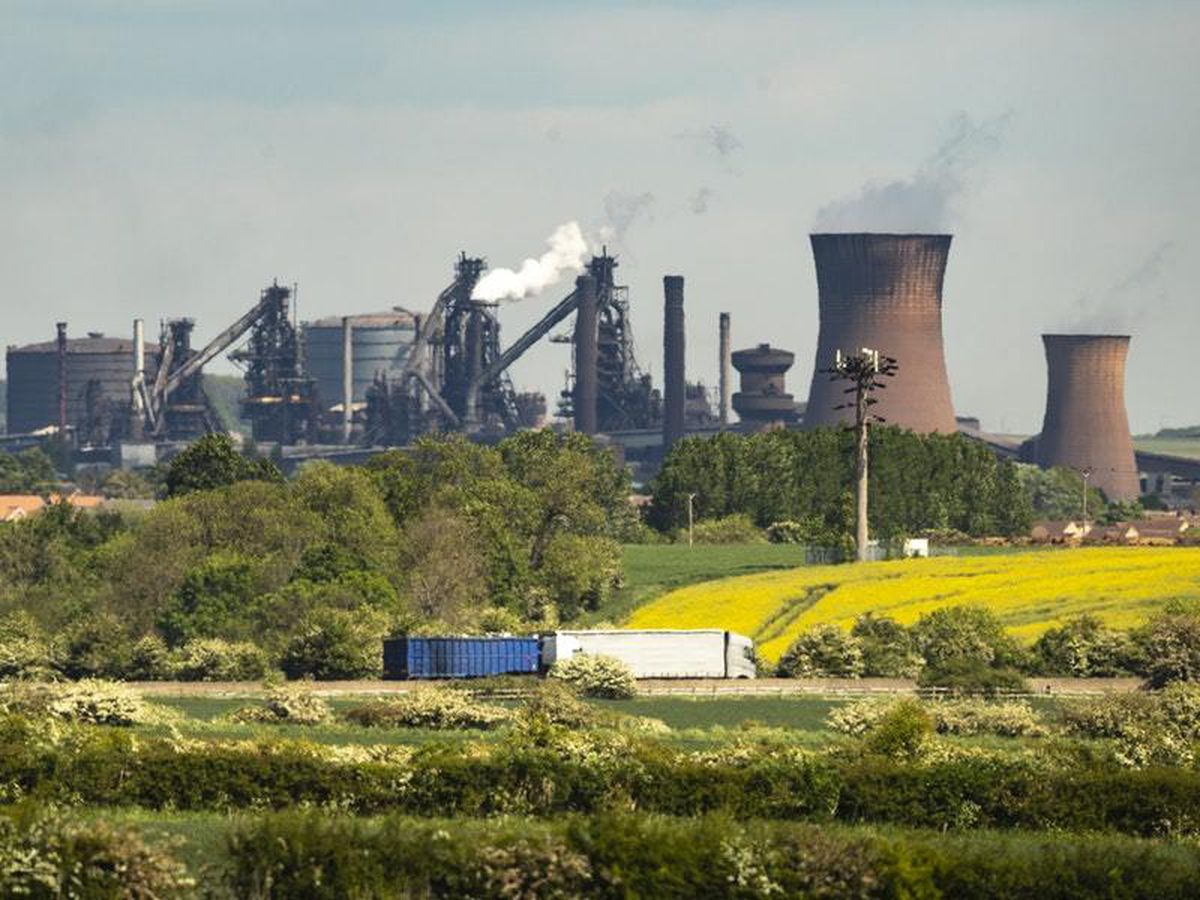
660, 653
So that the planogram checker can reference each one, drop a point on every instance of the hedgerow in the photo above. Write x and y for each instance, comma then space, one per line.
622, 855
549, 770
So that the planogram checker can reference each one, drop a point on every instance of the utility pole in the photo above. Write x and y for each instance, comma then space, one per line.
691, 517
864, 370
1086, 472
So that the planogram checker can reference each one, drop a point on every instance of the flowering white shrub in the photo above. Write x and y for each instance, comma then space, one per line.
594, 675
429, 708
89, 701
1008, 719
291, 704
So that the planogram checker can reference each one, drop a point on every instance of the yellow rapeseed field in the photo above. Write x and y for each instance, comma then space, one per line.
1030, 592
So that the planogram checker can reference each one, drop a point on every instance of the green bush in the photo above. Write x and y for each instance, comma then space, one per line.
1014, 718
554, 770
428, 708
1172, 646
902, 732
595, 675
963, 637
43, 855
97, 646
291, 704
150, 660
334, 644
317, 855
212, 659
734, 529
970, 677
1084, 648
87, 701
887, 648
25, 650
824, 651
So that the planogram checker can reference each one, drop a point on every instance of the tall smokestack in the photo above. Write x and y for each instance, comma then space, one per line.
1086, 427
725, 388
673, 362
586, 355
347, 379
883, 291
137, 412
61, 349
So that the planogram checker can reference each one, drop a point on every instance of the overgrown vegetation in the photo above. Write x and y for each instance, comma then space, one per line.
240, 573
806, 478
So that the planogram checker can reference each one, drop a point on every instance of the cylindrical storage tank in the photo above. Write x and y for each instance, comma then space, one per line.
763, 398
1086, 427
674, 361
884, 292
99, 371
380, 342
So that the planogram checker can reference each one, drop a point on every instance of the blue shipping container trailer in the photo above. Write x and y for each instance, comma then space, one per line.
460, 657
649, 653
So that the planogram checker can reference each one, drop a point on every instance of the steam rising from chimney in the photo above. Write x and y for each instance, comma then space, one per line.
566, 255
924, 201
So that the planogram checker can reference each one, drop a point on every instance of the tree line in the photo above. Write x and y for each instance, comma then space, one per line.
917, 483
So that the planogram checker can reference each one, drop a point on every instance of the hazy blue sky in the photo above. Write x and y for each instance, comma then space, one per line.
163, 158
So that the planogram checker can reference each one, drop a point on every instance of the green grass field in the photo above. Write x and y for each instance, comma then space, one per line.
1189, 447
654, 569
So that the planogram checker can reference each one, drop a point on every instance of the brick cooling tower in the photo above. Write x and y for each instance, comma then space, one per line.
883, 291
1086, 427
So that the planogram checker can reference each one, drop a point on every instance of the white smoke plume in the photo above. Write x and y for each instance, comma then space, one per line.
923, 202
566, 255
621, 211
1136, 295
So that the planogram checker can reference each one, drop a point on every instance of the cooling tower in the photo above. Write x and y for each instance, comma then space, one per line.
1086, 427
883, 291
674, 386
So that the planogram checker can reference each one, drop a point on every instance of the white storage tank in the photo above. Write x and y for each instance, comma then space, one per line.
660, 653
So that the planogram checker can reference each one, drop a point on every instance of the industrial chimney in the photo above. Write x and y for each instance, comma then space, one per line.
1086, 427
674, 387
724, 372
586, 355
883, 291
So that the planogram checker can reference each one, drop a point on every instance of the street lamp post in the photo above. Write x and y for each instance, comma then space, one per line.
1086, 472
864, 370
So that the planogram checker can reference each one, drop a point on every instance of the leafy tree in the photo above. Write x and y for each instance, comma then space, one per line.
1057, 493
348, 504
1083, 647
918, 483
445, 575
213, 462
1172, 647
579, 572
333, 644
27, 472
957, 634
887, 647
216, 599
824, 651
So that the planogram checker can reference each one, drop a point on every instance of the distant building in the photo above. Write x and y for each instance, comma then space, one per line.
1059, 531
